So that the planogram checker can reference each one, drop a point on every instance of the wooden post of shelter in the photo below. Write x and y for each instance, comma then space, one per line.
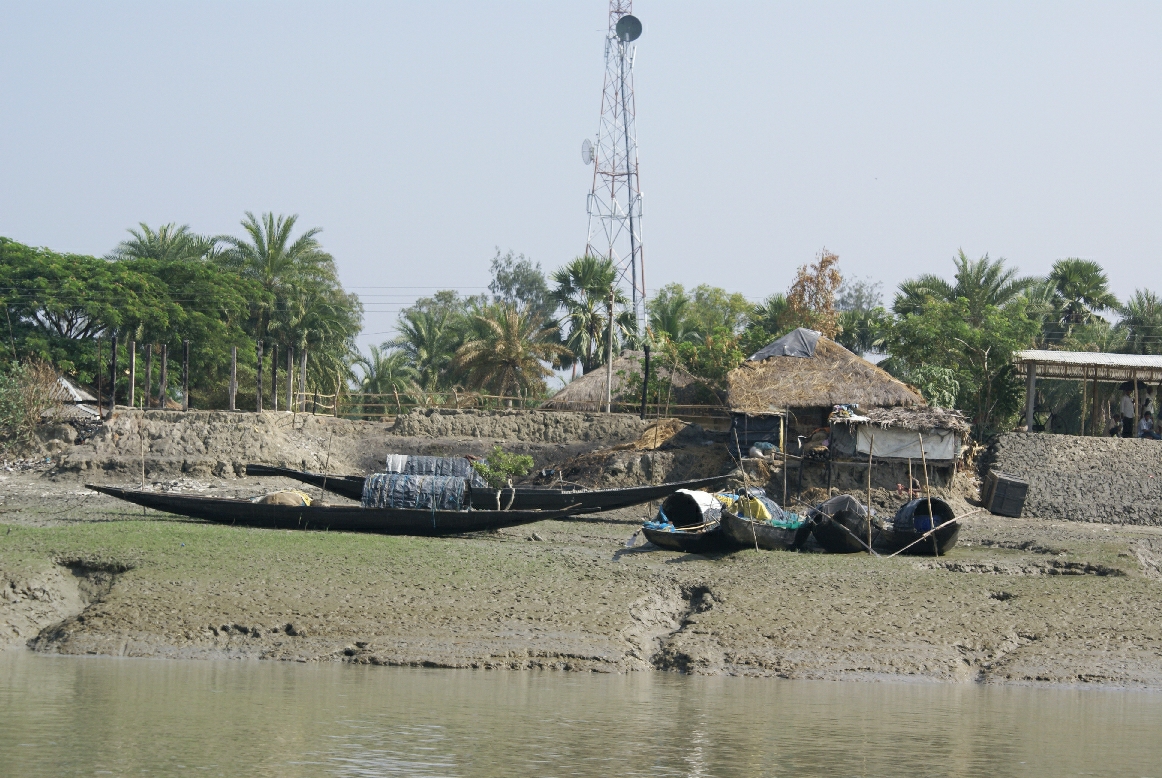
258, 378
185, 375
233, 375
1030, 393
646, 381
162, 386
1093, 424
1084, 394
1137, 402
132, 371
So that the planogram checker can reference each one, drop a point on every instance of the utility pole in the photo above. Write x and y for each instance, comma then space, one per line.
609, 361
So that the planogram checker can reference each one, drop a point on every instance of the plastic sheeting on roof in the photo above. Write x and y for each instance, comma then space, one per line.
797, 343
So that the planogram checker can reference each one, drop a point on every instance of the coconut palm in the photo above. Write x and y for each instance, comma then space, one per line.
168, 242
669, 317
1141, 323
323, 321
385, 370
582, 289
507, 351
1082, 290
277, 262
429, 339
982, 282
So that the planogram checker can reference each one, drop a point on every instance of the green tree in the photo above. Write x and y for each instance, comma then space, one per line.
1081, 289
429, 338
506, 351
582, 289
277, 263
669, 315
1140, 328
168, 243
983, 283
516, 281
766, 322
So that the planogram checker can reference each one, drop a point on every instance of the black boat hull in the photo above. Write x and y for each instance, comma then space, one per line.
337, 518
938, 543
519, 499
746, 533
704, 542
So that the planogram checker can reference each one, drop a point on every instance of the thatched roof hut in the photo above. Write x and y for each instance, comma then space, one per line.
935, 434
803, 369
587, 393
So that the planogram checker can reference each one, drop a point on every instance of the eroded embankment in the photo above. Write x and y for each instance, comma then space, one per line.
201, 444
1109, 480
35, 604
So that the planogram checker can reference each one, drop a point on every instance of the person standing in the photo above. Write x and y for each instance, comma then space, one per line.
1127, 414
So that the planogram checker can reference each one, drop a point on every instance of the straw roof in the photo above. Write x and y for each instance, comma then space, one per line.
922, 419
833, 376
587, 393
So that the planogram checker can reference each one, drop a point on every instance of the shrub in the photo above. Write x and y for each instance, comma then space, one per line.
499, 467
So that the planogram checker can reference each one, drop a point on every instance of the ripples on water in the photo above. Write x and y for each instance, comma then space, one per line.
72, 716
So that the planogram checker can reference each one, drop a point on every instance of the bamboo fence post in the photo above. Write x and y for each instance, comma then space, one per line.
290, 379
258, 379
1137, 402
185, 375
1084, 394
100, 380
928, 494
145, 390
132, 371
783, 441
609, 363
112, 376
161, 386
870, 449
233, 375
303, 380
274, 376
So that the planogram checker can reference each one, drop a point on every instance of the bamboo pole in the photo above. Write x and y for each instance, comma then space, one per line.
609, 361
132, 371
1137, 402
274, 376
783, 441
185, 375
146, 400
233, 376
258, 379
112, 376
303, 380
870, 449
290, 379
100, 380
162, 387
928, 493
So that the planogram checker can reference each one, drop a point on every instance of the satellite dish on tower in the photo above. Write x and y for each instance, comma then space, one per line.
586, 152
629, 28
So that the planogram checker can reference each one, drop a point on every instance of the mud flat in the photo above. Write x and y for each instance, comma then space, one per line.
1019, 601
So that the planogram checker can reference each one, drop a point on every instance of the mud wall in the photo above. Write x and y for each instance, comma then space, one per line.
1109, 480
530, 426
221, 443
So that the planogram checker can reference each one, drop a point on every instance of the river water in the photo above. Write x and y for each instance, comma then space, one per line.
66, 716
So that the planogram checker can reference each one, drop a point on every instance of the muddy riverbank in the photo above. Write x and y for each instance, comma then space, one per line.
1019, 601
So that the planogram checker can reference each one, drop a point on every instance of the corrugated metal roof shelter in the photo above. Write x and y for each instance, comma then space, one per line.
1096, 366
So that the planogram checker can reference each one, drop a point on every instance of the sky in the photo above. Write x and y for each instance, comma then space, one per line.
423, 136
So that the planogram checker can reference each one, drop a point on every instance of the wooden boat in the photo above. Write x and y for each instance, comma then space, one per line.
840, 525
912, 522
748, 533
520, 498
340, 518
699, 541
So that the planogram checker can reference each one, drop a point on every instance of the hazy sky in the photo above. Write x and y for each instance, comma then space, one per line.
422, 135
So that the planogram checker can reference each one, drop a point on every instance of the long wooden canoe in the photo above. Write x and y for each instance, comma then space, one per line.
520, 498
340, 518
698, 542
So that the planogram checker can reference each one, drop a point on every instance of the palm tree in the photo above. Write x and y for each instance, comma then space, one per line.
168, 242
982, 282
669, 318
1141, 323
582, 288
323, 321
1082, 289
428, 339
507, 351
277, 262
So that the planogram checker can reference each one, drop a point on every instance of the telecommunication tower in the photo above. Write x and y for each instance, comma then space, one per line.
615, 200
